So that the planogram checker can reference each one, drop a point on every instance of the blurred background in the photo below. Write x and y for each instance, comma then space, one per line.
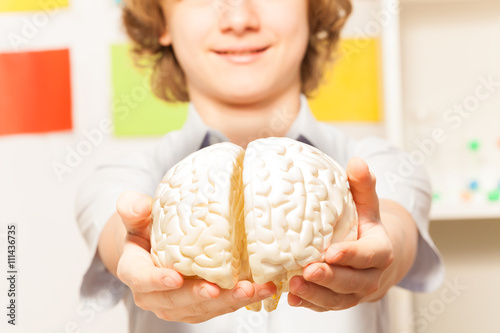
425, 74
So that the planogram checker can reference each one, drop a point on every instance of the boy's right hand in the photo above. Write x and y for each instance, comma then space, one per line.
164, 291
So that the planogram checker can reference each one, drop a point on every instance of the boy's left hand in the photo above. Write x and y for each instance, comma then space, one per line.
353, 271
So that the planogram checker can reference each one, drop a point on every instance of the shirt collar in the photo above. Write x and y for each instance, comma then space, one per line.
304, 128
194, 131
305, 125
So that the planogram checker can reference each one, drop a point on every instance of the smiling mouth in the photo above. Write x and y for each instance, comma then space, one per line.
241, 52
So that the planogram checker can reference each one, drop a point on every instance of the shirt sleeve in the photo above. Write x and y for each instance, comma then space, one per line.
96, 203
405, 181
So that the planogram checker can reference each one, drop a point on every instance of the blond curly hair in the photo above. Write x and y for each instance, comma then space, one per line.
144, 23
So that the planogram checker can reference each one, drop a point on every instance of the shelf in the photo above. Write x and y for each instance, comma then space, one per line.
461, 211
439, 75
404, 2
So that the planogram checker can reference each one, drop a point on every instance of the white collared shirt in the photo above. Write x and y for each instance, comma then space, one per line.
144, 170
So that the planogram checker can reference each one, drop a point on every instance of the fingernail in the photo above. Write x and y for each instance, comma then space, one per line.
265, 293
332, 253
238, 293
299, 303
139, 204
204, 293
302, 289
318, 275
169, 282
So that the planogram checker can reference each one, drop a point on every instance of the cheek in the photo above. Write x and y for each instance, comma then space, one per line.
188, 31
292, 32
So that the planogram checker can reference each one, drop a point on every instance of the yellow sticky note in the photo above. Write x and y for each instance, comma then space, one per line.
31, 5
353, 86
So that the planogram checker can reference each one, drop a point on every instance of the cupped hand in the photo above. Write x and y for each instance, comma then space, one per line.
164, 291
353, 271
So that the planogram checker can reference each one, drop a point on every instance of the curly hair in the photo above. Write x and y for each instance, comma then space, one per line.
144, 23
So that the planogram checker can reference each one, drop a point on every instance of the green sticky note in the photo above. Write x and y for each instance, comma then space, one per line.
474, 145
32, 5
136, 111
494, 195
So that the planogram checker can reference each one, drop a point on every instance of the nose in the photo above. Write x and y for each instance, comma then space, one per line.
238, 16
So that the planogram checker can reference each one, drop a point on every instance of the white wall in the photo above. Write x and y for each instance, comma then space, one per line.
52, 255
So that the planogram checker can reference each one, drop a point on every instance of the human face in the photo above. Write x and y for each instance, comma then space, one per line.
238, 51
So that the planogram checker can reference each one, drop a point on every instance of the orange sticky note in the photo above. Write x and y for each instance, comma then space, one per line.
35, 92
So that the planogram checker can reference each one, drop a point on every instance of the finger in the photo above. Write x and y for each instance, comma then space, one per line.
371, 251
134, 210
362, 185
245, 293
296, 301
321, 296
248, 292
230, 300
343, 280
193, 306
137, 270
200, 297
193, 291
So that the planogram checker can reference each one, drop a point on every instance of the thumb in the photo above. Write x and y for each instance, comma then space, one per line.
134, 209
362, 184
137, 270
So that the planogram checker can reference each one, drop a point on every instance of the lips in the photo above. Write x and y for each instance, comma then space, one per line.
241, 55
242, 51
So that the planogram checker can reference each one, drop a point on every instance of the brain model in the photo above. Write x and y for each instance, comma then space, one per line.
225, 214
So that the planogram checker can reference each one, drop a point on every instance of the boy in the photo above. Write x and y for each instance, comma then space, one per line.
245, 68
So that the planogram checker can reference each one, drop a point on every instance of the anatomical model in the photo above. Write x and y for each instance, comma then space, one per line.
224, 214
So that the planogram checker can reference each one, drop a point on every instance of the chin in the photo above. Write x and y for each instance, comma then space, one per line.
246, 94
246, 98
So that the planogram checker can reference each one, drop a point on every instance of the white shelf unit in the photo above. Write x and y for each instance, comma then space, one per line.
446, 212
448, 49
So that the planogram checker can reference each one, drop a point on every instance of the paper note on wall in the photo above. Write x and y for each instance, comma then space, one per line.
353, 87
136, 111
31, 5
35, 92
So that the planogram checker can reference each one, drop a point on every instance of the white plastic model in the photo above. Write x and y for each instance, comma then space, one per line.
225, 214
